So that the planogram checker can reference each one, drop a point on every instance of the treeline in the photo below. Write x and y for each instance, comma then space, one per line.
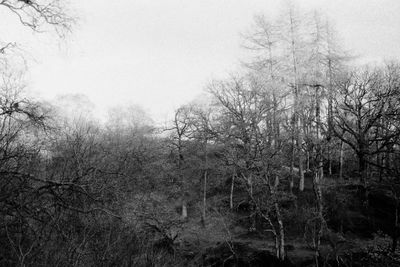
298, 108
279, 137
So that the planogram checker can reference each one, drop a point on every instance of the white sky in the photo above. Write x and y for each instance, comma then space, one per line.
162, 53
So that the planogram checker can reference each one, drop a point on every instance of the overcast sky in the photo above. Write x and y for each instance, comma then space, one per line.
162, 53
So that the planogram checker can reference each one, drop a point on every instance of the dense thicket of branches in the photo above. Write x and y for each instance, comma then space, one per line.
277, 145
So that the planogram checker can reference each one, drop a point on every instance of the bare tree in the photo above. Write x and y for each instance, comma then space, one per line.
204, 132
367, 97
37, 14
180, 132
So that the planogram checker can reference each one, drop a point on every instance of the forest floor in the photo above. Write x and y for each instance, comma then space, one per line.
217, 232
198, 241
226, 232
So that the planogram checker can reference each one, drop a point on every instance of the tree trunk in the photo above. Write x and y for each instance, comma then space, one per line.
301, 182
395, 230
362, 167
341, 160
320, 221
184, 209
300, 153
296, 111
277, 247
329, 159
281, 232
276, 182
203, 217
380, 165
253, 208
317, 182
291, 179
320, 159
231, 195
